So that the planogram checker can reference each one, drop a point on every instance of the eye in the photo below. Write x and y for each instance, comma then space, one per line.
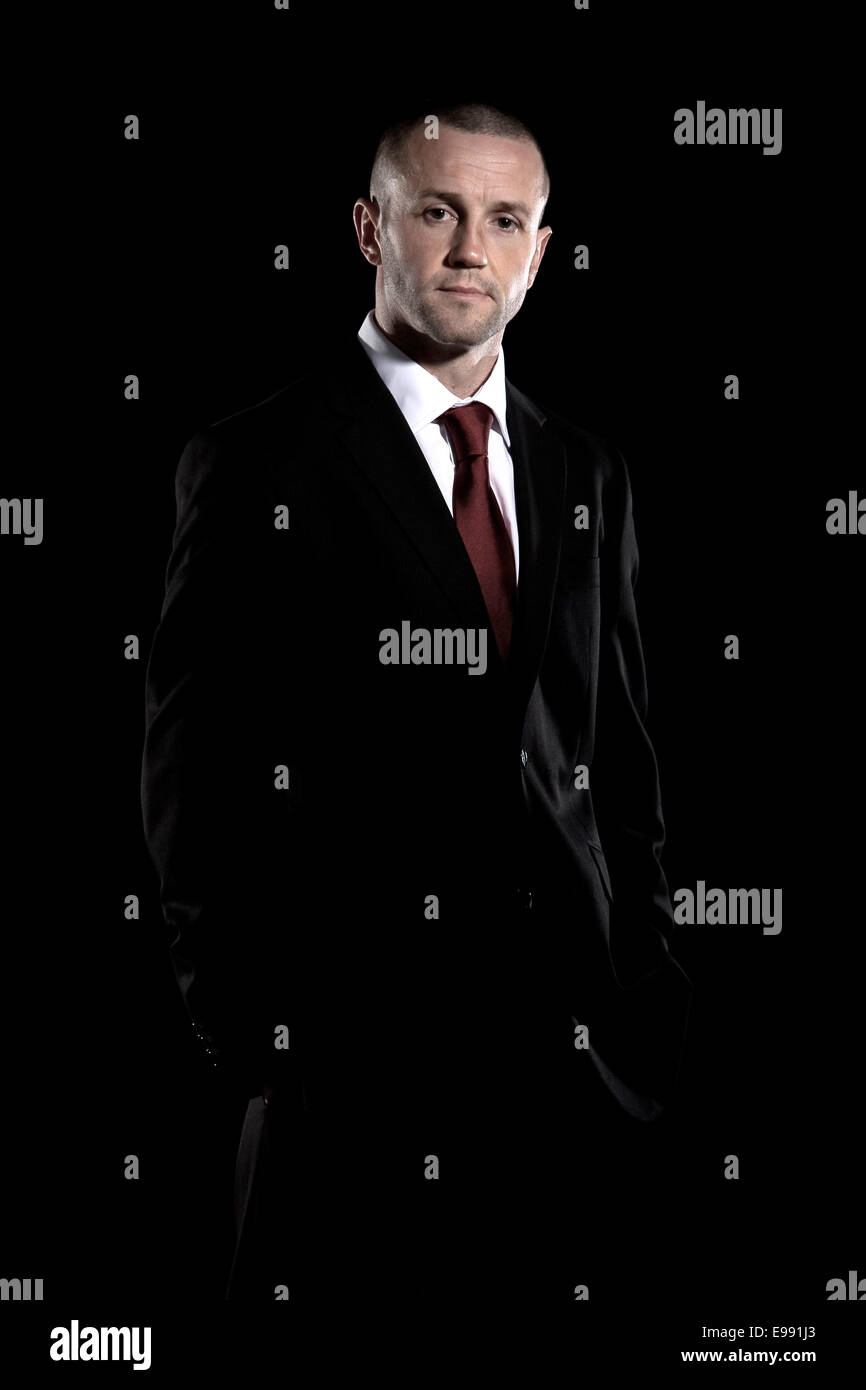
429, 211
508, 219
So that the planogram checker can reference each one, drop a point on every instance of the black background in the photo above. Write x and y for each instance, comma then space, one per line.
156, 258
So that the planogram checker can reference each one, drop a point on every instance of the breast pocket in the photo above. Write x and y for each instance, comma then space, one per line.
577, 599
579, 570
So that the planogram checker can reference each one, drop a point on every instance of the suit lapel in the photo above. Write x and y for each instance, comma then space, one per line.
539, 494
375, 432
373, 429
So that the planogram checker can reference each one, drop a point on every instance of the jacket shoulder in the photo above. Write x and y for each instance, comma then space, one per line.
583, 447
231, 452
296, 409
266, 418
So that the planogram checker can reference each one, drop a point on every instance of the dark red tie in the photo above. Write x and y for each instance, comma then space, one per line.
478, 517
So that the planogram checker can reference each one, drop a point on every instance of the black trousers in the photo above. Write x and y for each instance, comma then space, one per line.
458, 1205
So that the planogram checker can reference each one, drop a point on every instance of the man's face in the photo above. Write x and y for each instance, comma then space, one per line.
458, 239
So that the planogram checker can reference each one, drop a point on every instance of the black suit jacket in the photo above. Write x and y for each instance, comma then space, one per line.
430, 907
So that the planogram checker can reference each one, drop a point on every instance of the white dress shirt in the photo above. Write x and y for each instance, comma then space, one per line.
422, 397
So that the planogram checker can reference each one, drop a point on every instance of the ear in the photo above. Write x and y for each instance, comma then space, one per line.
542, 237
366, 215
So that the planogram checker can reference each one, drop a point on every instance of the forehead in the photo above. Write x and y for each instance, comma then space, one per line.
484, 167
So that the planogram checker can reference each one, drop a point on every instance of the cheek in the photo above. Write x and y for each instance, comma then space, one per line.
517, 272
514, 266
416, 256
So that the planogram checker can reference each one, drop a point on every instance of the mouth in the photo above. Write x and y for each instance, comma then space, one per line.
465, 291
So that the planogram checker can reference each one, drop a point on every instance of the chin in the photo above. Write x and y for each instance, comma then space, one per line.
456, 333
463, 340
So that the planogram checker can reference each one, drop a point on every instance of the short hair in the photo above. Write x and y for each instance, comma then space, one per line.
476, 118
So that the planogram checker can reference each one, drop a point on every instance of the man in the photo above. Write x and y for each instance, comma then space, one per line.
397, 781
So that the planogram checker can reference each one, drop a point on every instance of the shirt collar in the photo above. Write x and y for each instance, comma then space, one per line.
420, 395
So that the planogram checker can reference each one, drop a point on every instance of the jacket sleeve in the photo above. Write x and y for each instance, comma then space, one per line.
208, 797
626, 793
655, 991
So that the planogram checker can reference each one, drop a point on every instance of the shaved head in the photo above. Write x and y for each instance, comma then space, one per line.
394, 148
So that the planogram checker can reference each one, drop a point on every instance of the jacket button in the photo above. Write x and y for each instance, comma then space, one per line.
524, 899
524, 756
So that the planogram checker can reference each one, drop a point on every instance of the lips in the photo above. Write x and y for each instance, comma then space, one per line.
463, 289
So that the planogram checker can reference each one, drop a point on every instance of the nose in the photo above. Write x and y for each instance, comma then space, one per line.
467, 246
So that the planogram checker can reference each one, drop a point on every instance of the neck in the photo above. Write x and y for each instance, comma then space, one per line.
462, 370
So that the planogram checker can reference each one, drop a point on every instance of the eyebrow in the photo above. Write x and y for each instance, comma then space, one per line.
504, 205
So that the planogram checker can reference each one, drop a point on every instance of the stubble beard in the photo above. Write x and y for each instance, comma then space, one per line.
454, 322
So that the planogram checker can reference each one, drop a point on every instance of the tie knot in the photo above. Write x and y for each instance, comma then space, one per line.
468, 428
